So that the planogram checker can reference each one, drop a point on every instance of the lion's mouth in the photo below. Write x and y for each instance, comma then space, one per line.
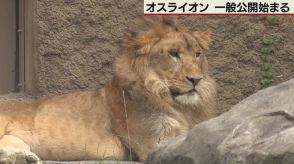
176, 93
188, 98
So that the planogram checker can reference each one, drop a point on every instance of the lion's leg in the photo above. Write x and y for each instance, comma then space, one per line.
14, 151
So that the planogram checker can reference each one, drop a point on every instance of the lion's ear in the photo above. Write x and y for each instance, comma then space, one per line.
203, 38
137, 26
143, 23
170, 20
137, 35
134, 34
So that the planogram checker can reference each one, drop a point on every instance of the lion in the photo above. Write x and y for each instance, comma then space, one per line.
160, 90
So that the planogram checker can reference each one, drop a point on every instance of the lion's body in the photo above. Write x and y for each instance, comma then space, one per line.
138, 109
69, 127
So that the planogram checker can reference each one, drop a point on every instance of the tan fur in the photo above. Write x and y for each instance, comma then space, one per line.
148, 101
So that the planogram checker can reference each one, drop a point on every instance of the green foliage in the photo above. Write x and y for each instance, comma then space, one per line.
267, 40
265, 83
266, 68
264, 58
265, 50
272, 20
267, 74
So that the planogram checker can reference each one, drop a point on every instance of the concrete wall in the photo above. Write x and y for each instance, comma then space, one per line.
77, 40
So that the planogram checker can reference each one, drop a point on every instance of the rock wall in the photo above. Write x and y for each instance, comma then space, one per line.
77, 41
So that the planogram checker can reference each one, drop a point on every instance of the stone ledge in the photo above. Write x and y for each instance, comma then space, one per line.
90, 162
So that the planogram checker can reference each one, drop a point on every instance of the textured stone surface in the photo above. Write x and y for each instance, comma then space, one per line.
258, 130
91, 162
77, 41
17, 96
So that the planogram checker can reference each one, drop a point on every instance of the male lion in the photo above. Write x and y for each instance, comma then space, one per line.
160, 90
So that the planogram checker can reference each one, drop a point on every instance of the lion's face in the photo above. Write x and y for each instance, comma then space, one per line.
171, 61
178, 59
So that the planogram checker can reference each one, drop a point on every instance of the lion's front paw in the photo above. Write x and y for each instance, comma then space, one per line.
10, 156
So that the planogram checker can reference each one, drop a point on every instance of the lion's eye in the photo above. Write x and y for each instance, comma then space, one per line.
174, 54
198, 54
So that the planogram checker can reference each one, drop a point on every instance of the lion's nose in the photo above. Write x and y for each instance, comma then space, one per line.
194, 80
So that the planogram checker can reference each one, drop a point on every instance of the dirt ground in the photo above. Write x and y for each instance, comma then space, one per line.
78, 41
